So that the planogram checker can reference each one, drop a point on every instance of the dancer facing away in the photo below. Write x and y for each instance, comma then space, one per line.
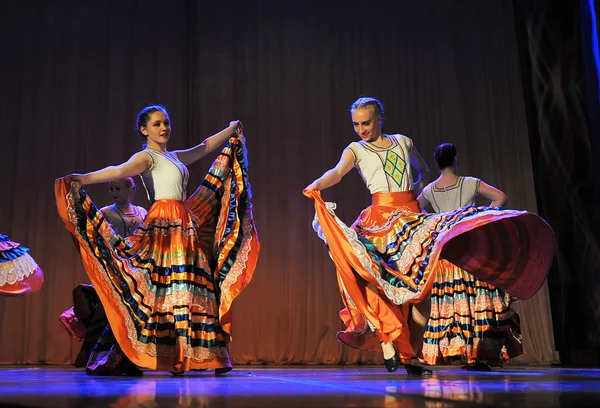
167, 290
86, 320
470, 320
19, 273
385, 262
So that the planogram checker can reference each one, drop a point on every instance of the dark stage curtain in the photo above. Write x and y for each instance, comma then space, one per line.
75, 73
561, 88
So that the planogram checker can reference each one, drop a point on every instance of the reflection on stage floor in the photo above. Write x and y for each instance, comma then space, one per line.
302, 386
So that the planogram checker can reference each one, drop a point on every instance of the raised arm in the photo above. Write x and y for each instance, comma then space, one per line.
138, 163
209, 144
334, 175
490, 192
422, 170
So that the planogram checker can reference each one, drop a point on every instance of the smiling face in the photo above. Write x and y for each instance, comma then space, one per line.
121, 191
367, 124
157, 129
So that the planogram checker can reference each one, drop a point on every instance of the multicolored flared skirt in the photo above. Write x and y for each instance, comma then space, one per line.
470, 320
389, 257
167, 290
19, 273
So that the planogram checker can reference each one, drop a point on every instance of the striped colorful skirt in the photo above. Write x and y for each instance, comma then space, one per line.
470, 320
19, 273
389, 259
167, 290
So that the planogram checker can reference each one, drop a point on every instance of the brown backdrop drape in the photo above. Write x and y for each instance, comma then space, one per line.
74, 74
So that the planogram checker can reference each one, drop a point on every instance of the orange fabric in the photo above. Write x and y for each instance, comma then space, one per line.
395, 248
167, 209
402, 200
385, 207
390, 321
512, 250
393, 318
120, 323
164, 329
251, 257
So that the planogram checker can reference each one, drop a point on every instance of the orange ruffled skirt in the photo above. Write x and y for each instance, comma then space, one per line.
167, 290
388, 259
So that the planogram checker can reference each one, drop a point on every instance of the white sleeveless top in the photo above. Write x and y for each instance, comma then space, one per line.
167, 177
461, 194
384, 170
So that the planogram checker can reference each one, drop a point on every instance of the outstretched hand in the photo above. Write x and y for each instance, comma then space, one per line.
75, 181
238, 129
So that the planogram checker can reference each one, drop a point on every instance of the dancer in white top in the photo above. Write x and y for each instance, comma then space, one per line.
123, 215
387, 261
167, 290
470, 320
450, 191
86, 320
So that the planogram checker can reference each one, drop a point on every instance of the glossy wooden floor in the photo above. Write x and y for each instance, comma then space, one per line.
302, 386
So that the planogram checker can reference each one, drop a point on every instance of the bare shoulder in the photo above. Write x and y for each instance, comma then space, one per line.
142, 161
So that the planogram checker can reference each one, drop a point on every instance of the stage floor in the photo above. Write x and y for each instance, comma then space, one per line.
302, 386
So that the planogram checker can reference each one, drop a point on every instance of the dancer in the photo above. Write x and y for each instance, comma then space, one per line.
19, 273
470, 320
167, 290
122, 215
385, 262
86, 320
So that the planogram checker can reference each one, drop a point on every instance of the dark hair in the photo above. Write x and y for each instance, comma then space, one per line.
445, 155
365, 102
144, 116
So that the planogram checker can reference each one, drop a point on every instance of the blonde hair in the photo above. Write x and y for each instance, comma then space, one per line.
129, 182
366, 102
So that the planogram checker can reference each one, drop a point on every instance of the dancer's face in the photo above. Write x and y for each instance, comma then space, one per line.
120, 192
158, 128
366, 124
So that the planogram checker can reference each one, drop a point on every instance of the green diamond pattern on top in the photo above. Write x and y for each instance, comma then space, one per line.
394, 167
